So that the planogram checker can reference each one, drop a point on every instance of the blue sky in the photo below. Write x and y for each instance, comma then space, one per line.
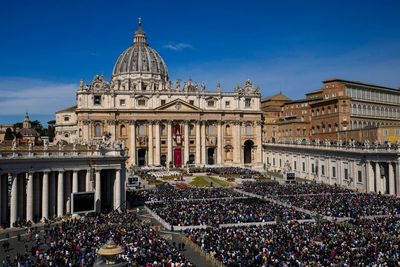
290, 46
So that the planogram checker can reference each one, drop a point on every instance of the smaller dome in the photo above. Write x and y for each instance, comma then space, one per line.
140, 58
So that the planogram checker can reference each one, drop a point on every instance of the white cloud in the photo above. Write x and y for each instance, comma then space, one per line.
20, 95
178, 46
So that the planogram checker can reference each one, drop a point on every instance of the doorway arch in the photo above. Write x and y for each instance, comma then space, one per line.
210, 156
141, 157
247, 151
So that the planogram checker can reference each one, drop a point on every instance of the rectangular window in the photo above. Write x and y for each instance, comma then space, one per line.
323, 170
163, 142
304, 167
97, 100
141, 102
122, 102
312, 168
280, 163
385, 133
227, 104
333, 171
295, 165
192, 142
191, 102
66, 118
346, 174
162, 102
247, 103
273, 161
359, 177
210, 103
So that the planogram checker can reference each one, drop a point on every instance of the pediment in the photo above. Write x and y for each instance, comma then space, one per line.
178, 105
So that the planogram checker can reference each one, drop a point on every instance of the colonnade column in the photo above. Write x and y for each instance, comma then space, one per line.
157, 152
45, 195
169, 143
150, 144
219, 143
132, 151
98, 191
378, 177
198, 156
87, 181
14, 200
74, 181
60, 194
371, 177
186, 143
52, 196
203, 143
117, 191
391, 177
29, 198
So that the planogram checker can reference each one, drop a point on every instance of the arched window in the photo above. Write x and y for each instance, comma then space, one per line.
249, 129
122, 130
97, 130
228, 130
141, 130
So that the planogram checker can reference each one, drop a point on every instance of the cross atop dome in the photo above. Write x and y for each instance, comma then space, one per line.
140, 35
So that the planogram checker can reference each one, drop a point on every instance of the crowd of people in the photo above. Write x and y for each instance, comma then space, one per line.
294, 244
226, 171
346, 205
166, 192
272, 188
75, 243
223, 211
381, 225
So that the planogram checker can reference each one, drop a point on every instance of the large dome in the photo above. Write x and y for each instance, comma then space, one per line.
140, 59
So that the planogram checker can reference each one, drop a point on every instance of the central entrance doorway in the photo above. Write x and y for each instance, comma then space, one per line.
177, 157
210, 156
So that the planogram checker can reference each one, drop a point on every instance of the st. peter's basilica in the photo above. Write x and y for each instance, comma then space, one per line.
165, 123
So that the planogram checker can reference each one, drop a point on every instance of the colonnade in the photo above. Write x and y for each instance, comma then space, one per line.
44, 194
366, 171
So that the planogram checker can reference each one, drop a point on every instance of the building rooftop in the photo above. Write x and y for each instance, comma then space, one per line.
359, 83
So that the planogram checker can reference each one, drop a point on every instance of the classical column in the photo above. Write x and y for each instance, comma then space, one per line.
370, 176
392, 189
45, 195
133, 142
98, 191
150, 144
117, 184
237, 150
186, 143
29, 198
219, 143
13, 199
169, 143
259, 157
52, 211
158, 147
87, 181
60, 194
198, 156
203, 143
75, 181
378, 178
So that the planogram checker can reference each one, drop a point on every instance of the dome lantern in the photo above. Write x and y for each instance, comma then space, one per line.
140, 36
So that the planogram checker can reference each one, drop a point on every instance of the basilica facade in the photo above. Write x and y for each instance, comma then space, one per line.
164, 123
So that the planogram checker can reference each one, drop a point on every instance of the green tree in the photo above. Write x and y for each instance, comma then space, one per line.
9, 134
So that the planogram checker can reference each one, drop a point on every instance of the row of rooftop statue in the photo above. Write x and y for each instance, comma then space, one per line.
345, 144
105, 143
99, 83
